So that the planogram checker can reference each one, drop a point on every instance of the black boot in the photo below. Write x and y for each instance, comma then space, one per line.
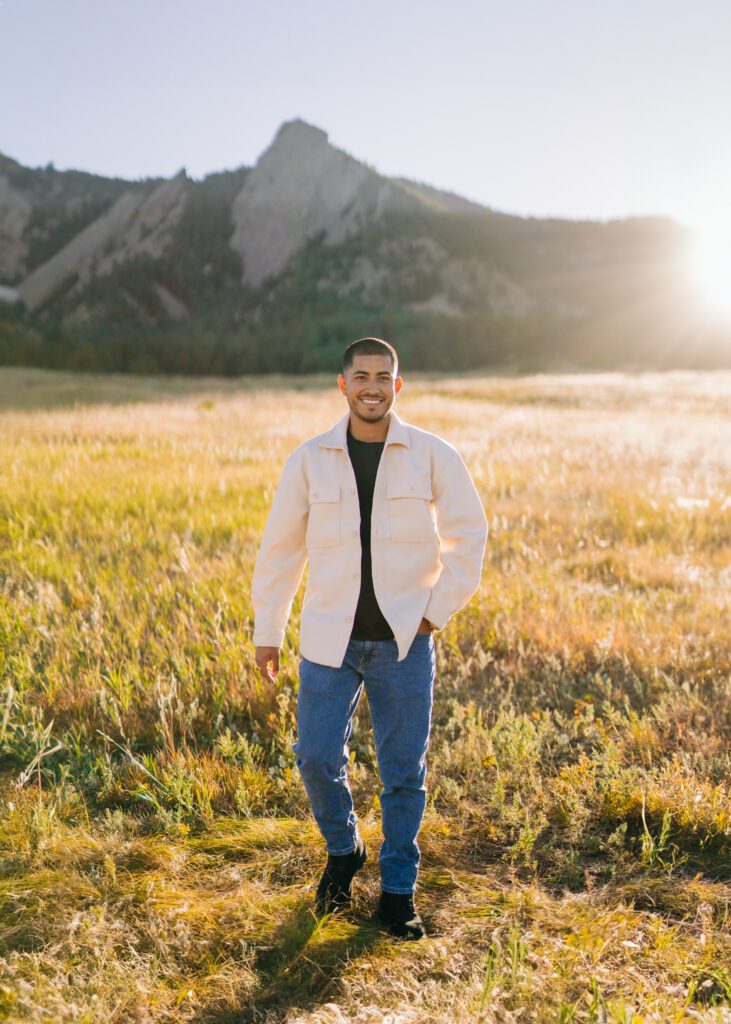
333, 892
398, 912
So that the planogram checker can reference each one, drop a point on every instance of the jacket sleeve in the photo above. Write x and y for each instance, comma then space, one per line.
462, 531
282, 555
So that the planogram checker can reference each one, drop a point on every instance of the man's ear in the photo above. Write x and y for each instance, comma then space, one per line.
398, 384
342, 383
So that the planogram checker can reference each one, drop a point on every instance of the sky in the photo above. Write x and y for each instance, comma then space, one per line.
568, 108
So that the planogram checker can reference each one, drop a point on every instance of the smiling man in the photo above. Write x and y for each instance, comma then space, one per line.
394, 532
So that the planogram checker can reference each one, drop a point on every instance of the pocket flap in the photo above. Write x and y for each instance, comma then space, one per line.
413, 487
318, 494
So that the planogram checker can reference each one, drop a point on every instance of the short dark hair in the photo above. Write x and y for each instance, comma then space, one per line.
369, 347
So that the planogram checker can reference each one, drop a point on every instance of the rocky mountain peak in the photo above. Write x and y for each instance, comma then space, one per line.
298, 135
303, 186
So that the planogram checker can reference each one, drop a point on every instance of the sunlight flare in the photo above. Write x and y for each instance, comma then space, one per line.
712, 268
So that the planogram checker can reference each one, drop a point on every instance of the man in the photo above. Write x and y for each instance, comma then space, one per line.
394, 532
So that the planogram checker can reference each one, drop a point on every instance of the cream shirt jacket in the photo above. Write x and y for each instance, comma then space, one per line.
428, 533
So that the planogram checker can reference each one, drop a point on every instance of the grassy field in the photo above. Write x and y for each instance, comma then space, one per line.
157, 856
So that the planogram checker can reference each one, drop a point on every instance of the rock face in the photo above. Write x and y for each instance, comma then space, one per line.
135, 225
459, 286
302, 187
15, 211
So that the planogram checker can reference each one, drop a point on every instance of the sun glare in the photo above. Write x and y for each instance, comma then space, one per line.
712, 269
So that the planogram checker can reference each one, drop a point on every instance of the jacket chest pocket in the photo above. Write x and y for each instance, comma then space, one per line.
409, 513
323, 522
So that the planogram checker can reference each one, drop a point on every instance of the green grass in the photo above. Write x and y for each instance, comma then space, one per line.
157, 853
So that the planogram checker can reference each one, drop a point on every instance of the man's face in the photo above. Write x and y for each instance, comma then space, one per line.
370, 387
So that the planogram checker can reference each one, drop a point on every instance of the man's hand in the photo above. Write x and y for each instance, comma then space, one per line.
264, 655
426, 627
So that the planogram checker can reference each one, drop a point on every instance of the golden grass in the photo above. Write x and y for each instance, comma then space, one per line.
157, 854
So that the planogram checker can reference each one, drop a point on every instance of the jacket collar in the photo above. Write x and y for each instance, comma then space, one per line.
398, 433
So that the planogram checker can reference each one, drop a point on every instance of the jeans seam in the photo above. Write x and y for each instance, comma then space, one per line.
396, 892
345, 789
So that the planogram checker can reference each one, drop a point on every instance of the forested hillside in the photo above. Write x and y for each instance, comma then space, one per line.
274, 268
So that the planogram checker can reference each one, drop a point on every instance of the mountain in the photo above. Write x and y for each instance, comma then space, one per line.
302, 188
136, 224
278, 266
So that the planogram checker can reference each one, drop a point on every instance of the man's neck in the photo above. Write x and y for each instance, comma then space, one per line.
363, 431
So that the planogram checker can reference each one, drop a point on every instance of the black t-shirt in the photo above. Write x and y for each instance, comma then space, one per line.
369, 623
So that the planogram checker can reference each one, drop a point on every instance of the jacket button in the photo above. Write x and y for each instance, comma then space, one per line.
349, 618
355, 533
352, 490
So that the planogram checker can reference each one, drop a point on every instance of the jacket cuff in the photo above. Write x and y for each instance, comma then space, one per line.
436, 616
270, 639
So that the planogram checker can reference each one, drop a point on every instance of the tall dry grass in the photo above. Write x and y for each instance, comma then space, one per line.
157, 853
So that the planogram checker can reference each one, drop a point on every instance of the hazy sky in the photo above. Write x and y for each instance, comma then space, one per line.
578, 108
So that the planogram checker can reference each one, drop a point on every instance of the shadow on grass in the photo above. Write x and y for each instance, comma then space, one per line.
300, 967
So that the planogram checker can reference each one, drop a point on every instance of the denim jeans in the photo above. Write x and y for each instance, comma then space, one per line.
400, 695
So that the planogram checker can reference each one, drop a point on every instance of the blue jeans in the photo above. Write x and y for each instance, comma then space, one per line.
400, 695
